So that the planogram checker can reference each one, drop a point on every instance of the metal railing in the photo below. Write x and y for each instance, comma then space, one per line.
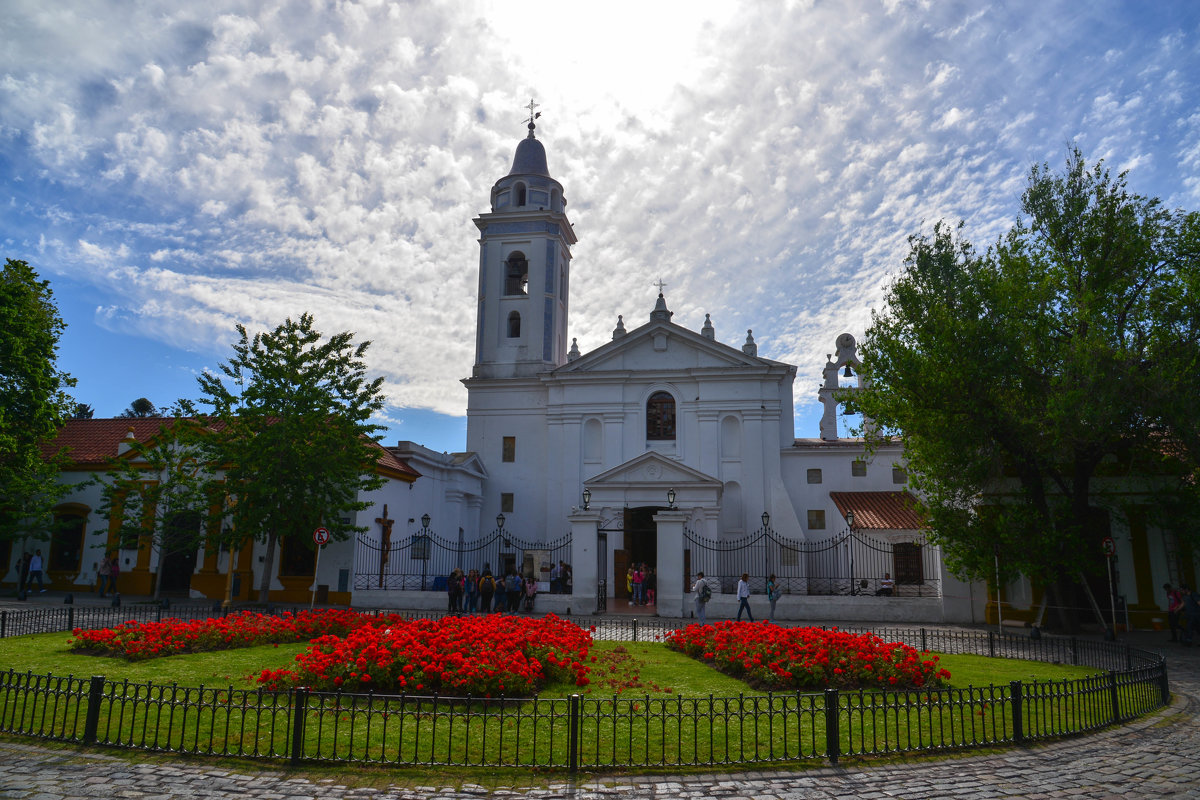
423, 560
586, 732
849, 563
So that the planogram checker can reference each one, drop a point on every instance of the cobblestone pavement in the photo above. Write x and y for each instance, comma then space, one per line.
1157, 756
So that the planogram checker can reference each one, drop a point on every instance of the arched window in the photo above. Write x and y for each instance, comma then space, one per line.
516, 274
519, 189
660, 417
514, 325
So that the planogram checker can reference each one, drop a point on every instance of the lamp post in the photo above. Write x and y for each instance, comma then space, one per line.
671, 499
587, 499
850, 547
424, 548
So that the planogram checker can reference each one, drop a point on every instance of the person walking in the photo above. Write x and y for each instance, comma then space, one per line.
773, 593
35, 571
743, 595
703, 595
1174, 611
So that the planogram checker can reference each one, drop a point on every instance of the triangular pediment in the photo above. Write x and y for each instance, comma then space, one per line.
651, 469
660, 346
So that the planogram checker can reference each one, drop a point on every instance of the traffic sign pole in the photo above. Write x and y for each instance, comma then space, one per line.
320, 539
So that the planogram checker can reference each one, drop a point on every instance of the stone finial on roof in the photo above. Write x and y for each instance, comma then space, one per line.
573, 353
750, 348
660, 310
619, 331
707, 331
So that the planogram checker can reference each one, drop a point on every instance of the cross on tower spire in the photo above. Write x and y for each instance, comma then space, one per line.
660, 284
532, 116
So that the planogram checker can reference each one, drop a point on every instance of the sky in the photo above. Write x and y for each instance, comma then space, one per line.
176, 169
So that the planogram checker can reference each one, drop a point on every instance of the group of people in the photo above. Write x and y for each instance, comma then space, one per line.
1183, 614
483, 592
642, 585
703, 593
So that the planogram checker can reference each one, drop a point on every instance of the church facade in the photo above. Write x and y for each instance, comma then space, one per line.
665, 441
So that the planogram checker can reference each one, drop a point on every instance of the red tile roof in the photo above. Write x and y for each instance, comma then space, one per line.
892, 511
93, 443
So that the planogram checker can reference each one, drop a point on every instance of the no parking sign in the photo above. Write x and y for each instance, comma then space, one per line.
321, 536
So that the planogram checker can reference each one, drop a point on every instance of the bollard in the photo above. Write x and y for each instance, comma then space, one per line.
69, 599
116, 601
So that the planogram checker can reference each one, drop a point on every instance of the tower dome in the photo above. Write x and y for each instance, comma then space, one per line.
530, 158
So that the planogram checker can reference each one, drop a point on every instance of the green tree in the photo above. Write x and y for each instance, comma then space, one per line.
1027, 383
291, 424
33, 401
140, 409
162, 490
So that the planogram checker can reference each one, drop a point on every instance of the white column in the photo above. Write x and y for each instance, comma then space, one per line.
671, 598
584, 560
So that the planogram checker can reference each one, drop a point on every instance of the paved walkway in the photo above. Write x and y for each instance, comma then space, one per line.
1157, 756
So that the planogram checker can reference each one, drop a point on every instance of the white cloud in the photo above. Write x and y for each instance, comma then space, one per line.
766, 160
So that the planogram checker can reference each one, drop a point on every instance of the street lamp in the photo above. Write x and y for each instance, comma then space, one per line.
850, 547
587, 498
766, 518
670, 498
424, 548
500, 521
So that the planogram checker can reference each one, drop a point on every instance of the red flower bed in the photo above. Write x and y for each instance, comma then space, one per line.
141, 640
479, 655
485, 655
771, 657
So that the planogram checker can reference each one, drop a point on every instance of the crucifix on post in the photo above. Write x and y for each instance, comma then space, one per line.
385, 542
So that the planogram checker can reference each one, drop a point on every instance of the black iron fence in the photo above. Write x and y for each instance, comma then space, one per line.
578, 732
423, 560
849, 563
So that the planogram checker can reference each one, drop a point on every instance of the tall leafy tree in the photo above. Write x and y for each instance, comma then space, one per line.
140, 409
161, 490
1029, 381
33, 400
291, 424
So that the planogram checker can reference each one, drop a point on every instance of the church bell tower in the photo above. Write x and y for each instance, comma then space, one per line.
524, 268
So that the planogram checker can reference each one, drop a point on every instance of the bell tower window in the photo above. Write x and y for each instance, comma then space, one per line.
519, 194
660, 417
516, 274
514, 325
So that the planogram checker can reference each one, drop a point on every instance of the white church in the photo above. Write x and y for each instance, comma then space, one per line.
663, 447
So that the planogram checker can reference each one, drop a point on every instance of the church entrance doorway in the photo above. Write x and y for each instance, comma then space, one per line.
640, 548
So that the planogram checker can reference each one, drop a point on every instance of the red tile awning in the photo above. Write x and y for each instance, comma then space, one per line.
890, 511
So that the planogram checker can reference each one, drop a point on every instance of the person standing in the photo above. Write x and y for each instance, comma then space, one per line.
639, 596
1174, 610
743, 595
35, 571
703, 595
487, 588
650, 586
1191, 611
471, 591
773, 593
114, 571
102, 574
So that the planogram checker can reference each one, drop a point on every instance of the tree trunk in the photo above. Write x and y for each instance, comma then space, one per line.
264, 587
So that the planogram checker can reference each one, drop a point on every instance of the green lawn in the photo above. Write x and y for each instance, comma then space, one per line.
646, 706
